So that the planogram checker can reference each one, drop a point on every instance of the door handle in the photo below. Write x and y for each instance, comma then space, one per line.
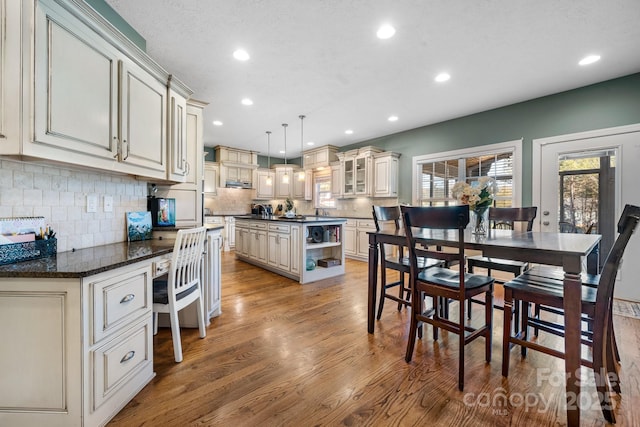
545, 213
545, 222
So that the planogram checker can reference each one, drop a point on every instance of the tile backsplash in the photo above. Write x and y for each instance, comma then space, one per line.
60, 195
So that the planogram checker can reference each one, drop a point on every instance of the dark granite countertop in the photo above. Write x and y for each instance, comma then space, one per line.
88, 261
299, 218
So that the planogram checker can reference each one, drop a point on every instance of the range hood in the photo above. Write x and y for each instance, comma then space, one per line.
238, 184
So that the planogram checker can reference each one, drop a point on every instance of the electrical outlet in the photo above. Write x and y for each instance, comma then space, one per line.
92, 203
108, 203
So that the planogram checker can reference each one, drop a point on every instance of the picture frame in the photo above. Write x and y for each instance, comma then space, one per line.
139, 226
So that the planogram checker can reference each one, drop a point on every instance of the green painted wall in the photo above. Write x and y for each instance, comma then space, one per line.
116, 20
607, 104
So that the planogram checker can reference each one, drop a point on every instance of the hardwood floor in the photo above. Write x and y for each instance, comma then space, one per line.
285, 354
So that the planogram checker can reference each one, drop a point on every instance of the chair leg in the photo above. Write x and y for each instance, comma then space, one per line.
436, 312
416, 307
461, 336
383, 289
469, 309
401, 290
536, 314
175, 334
506, 331
601, 377
524, 330
488, 313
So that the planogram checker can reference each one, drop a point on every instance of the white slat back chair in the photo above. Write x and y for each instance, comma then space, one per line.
182, 285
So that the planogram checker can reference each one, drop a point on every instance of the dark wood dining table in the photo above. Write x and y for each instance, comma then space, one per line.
560, 249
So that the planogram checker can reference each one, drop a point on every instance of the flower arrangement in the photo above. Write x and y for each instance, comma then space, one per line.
478, 195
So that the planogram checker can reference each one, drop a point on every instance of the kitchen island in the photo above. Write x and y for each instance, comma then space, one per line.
303, 248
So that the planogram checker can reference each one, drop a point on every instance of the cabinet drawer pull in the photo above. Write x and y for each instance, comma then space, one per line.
127, 298
128, 356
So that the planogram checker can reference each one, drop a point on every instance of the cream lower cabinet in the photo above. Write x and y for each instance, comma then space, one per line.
279, 242
212, 275
357, 238
258, 241
82, 348
230, 233
242, 238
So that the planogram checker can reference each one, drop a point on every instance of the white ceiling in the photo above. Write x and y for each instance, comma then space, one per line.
321, 58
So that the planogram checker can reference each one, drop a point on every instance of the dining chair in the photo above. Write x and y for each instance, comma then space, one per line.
503, 218
443, 283
597, 305
395, 260
181, 286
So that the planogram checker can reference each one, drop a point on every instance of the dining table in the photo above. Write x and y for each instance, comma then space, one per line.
566, 250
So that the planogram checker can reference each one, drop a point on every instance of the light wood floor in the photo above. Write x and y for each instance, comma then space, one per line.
284, 354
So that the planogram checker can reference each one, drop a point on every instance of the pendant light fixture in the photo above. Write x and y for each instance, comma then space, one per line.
301, 173
269, 180
285, 177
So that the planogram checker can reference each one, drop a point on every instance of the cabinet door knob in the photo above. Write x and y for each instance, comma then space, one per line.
127, 298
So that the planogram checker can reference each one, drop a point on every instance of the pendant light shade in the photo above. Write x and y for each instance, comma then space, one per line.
285, 177
301, 176
269, 181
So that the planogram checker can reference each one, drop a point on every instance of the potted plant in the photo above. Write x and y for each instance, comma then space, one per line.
289, 208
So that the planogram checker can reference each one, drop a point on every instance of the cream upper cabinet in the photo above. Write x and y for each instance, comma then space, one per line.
320, 157
76, 90
182, 164
9, 74
284, 186
142, 120
385, 172
303, 185
236, 165
336, 180
83, 94
211, 172
357, 171
265, 184
195, 143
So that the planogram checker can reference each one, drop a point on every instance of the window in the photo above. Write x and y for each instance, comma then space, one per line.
435, 175
322, 196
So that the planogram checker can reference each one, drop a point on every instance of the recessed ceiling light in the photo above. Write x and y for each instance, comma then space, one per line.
589, 59
282, 151
247, 101
310, 143
217, 123
241, 55
386, 31
442, 77
348, 131
393, 118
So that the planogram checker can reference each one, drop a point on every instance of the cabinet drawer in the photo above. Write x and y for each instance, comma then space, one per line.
117, 362
366, 223
118, 300
262, 225
351, 223
279, 228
